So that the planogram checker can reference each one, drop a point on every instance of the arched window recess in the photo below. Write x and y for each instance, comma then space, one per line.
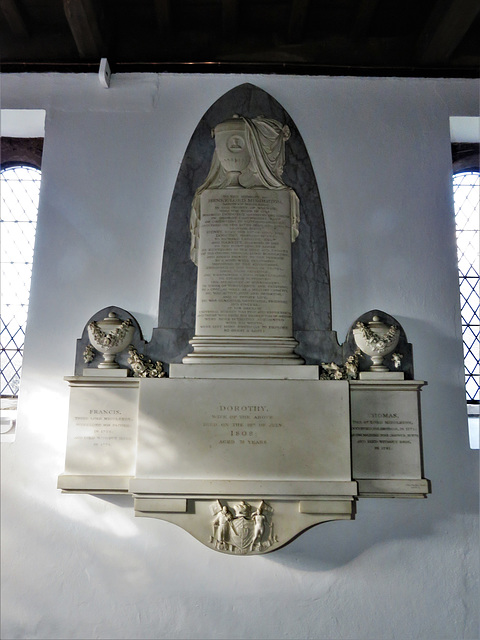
20, 178
466, 193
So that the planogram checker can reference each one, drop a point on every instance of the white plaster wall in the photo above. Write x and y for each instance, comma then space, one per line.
77, 566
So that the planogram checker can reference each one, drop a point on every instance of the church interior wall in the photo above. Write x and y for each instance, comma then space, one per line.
81, 566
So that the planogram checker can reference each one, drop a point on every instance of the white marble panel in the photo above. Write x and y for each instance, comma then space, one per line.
292, 489
244, 268
102, 434
386, 436
95, 372
245, 371
399, 488
243, 430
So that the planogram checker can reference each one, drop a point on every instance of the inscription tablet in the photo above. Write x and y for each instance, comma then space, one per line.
385, 434
244, 430
102, 431
244, 267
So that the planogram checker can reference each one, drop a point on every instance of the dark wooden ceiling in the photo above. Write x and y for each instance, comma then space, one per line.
427, 38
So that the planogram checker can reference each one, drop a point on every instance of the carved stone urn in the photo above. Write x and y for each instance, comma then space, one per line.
376, 339
231, 148
110, 336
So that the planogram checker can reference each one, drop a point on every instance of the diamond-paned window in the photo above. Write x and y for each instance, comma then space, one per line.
466, 191
19, 188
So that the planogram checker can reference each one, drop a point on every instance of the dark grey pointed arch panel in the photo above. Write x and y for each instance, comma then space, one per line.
311, 280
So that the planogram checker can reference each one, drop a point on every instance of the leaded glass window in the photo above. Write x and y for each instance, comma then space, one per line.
466, 188
20, 186
466, 191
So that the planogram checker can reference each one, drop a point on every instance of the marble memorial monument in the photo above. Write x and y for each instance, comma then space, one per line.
244, 421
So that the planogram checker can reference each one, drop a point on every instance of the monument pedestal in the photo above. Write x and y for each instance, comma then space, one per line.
243, 350
102, 434
386, 438
245, 457
279, 446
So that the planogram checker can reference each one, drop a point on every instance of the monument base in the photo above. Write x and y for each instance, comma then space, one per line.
243, 350
381, 375
247, 526
102, 434
245, 371
94, 484
244, 465
393, 488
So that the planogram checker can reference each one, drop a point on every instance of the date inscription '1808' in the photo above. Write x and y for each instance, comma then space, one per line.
242, 425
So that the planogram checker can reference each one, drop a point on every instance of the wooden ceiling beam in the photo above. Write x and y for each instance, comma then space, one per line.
364, 17
84, 25
163, 13
445, 28
298, 18
229, 19
14, 18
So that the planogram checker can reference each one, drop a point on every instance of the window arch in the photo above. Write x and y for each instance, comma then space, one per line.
466, 186
20, 187
466, 193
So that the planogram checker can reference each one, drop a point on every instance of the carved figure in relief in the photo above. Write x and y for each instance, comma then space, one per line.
221, 527
259, 520
250, 154
246, 532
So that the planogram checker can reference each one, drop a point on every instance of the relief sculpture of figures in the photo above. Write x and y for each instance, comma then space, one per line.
249, 153
245, 532
221, 527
